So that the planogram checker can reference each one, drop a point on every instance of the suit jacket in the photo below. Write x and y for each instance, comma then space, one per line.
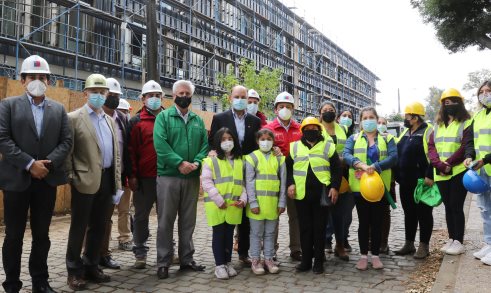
84, 164
226, 119
126, 166
20, 142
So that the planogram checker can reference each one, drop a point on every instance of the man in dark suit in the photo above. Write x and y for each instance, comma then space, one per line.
244, 126
35, 139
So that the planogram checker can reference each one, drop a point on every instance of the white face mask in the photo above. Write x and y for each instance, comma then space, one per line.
227, 145
265, 145
285, 114
36, 88
485, 99
252, 108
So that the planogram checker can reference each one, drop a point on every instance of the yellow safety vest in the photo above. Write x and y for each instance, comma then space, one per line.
482, 137
447, 141
426, 138
228, 180
360, 152
267, 184
340, 132
317, 157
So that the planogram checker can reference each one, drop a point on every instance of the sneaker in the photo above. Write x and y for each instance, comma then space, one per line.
271, 267
376, 263
230, 270
140, 263
126, 246
446, 246
487, 259
221, 272
245, 260
483, 252
456, 248
257, 267
362, 264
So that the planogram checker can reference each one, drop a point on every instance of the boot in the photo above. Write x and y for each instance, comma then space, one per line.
340, 252
423, 251
408, 248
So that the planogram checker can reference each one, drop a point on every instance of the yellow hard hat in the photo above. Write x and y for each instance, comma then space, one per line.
415, 108
372, 187
450, 93
96, 81
310, 121
344, 186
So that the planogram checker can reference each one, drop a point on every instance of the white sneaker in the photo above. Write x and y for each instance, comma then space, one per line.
486, 259
446, 246
230, 270
221, 272
456, 248
483, 252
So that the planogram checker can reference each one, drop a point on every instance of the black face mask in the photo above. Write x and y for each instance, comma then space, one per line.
407, 123
112, 102
451, 109
311, 135
183, 102
328, 117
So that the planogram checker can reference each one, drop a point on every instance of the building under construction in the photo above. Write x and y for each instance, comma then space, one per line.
197, 40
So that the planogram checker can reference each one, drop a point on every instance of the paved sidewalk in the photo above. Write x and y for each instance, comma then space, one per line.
464, 273
339, 276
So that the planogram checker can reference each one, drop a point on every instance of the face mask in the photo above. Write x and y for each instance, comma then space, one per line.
369, 125
285, 114
345, 121
451, 109
328, 117
36, 88
227, 145
485, 99
252, 108
382, 128
265, 145
407, 123
96, 100
239, 104
311, 135
112, 102
153, 103
183, 102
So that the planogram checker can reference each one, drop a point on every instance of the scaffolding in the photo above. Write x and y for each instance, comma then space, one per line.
198, 39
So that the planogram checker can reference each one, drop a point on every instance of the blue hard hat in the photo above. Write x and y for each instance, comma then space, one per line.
474, 183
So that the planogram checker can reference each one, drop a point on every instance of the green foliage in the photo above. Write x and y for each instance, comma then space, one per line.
476, 78
432, 103
266, 82
459, 23
395, 117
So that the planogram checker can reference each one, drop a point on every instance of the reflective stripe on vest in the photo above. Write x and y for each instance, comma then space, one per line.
317, 158
482, 137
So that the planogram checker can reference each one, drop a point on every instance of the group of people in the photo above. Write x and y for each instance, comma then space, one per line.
250, 171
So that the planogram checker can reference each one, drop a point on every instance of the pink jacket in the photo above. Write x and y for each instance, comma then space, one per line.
209, 187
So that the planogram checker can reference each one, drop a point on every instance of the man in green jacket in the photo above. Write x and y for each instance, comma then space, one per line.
181, 143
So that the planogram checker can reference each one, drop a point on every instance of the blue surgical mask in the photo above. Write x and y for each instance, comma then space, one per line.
239, 104
96, 100
382, 128
252, 108
369, 125
153, 103
345, 121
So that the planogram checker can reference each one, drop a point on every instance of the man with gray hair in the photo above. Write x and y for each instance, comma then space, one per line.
181, 143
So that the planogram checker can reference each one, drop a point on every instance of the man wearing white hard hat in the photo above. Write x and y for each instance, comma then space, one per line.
35, 139
253, 101
125, 108
287, 130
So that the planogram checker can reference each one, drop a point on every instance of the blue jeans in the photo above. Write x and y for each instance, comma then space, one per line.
262, 230
340, 218
484, 204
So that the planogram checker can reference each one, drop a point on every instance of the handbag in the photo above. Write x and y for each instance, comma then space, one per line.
429, 195
325, 199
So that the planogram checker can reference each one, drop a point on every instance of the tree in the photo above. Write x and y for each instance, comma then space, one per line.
433, 103
475, 79
395, 117
459, 23
265, 81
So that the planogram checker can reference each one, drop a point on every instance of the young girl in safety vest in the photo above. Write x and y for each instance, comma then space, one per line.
266, 192
224, 197
368, 151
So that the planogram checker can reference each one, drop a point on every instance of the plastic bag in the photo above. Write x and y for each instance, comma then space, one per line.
426, 194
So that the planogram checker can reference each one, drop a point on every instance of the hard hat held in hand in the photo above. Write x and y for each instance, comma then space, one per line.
474, 183
372, 187
35, 64
344, 186
415, 108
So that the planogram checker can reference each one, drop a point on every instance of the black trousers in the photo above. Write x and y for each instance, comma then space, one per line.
370, 215
453, 195
89, 213
222, 243
40, 199
415, 214
312, 221
244, 241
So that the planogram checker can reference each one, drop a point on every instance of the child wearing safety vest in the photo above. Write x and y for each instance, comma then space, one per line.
224, 197
266, 192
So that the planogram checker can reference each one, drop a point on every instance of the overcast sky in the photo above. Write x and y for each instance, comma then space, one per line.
390, 39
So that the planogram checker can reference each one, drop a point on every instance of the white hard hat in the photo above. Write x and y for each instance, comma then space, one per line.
284, 97
124, 105
151, 87
35, 64
253, 94
114, 86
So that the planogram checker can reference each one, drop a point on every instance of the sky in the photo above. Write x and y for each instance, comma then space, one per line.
391, 40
